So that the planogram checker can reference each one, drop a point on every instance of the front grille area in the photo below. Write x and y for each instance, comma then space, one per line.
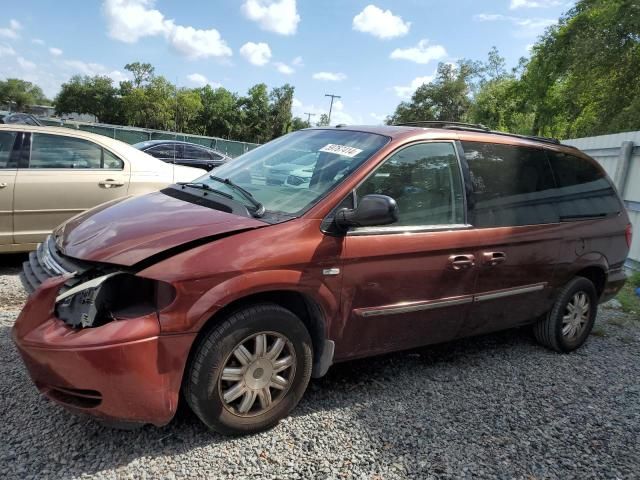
46, 262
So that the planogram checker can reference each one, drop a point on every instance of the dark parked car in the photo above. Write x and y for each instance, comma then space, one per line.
235, 292
184, 153
21, 119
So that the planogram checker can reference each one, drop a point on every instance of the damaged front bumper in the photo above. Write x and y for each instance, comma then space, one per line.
121, 371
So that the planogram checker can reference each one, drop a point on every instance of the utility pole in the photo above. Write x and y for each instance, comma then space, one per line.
309, 115
331, 105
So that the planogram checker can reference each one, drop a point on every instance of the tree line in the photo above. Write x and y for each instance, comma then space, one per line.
583, 79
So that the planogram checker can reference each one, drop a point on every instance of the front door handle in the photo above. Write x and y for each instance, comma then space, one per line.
491, 259
110, 183
3, 185
461, 262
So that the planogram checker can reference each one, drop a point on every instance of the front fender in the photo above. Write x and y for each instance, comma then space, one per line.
245, 285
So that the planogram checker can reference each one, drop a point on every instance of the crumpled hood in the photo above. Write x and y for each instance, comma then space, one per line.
129, 230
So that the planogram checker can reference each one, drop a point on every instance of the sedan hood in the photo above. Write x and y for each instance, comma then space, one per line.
129, 230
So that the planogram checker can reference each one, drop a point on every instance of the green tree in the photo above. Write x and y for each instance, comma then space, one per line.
447, 97
93, 95
281, 100
142, 72
219, 116
584, 75
18, 94
324, 121
254, 110
298, 124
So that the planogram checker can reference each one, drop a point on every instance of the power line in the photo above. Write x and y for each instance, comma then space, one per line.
331, 105
309, 115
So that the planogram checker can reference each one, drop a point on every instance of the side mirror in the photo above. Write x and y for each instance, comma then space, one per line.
372, 211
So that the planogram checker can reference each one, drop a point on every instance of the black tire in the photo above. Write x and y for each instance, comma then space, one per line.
549, 330
203, 385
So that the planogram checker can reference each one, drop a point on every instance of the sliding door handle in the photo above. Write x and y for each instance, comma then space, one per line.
461, 262
491, 259
4, 185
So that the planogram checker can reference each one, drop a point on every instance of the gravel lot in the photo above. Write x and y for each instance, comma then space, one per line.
495, 406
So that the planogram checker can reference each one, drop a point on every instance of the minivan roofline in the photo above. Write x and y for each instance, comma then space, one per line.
457, 132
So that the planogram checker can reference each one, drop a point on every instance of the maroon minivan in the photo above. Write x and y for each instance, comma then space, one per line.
234, 291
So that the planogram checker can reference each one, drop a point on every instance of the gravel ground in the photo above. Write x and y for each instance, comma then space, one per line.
497, 406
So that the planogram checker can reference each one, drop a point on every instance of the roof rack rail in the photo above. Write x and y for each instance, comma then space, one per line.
474, 127
442, 124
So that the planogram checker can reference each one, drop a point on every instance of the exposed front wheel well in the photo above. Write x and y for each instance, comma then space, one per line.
301, 305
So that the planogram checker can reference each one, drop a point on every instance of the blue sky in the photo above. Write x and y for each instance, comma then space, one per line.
373, 53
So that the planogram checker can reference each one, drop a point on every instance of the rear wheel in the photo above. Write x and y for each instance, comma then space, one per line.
568, 324
250, 371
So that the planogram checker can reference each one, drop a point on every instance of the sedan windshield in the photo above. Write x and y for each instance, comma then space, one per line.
289, 175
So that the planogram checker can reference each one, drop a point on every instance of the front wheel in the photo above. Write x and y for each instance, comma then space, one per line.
250, 371
568, 324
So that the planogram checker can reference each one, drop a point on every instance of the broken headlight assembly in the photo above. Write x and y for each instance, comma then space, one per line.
114, 296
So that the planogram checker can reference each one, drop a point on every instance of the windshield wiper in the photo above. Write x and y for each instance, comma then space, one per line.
204, 186
259, 208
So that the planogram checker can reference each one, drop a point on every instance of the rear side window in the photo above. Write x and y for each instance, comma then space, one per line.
425, 181
583, 189
163, 151
196, 153
512, 185
7, 140
57, 151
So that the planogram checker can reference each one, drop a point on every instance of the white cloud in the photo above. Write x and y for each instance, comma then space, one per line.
515, 4
377, 117
93, 69
297, 62
56, 52
338, 115
380, 23
37, 41
526, 26
284, 68
405, 91
422, 53
256, 53
196, 44
329, 76
26, 64
7, 51
279, 16
12, 31
200, 80
130, 20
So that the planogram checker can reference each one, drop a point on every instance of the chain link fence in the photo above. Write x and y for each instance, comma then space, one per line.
133, 135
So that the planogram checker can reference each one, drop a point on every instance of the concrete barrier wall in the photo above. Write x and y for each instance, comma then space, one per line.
619, 154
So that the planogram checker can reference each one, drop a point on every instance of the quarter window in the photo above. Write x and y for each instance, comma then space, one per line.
425, 181
584, 190
511, 185
196, 153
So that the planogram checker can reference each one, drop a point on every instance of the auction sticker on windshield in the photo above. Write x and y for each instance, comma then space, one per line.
343, 150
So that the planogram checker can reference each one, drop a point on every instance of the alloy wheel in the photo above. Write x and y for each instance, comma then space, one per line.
257, 374
576, 315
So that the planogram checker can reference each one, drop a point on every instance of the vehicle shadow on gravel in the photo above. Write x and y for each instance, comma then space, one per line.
492, 405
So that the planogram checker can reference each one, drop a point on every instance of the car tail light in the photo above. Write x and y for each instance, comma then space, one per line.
629, 234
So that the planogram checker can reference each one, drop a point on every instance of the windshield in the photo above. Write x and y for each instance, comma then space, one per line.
287, 176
